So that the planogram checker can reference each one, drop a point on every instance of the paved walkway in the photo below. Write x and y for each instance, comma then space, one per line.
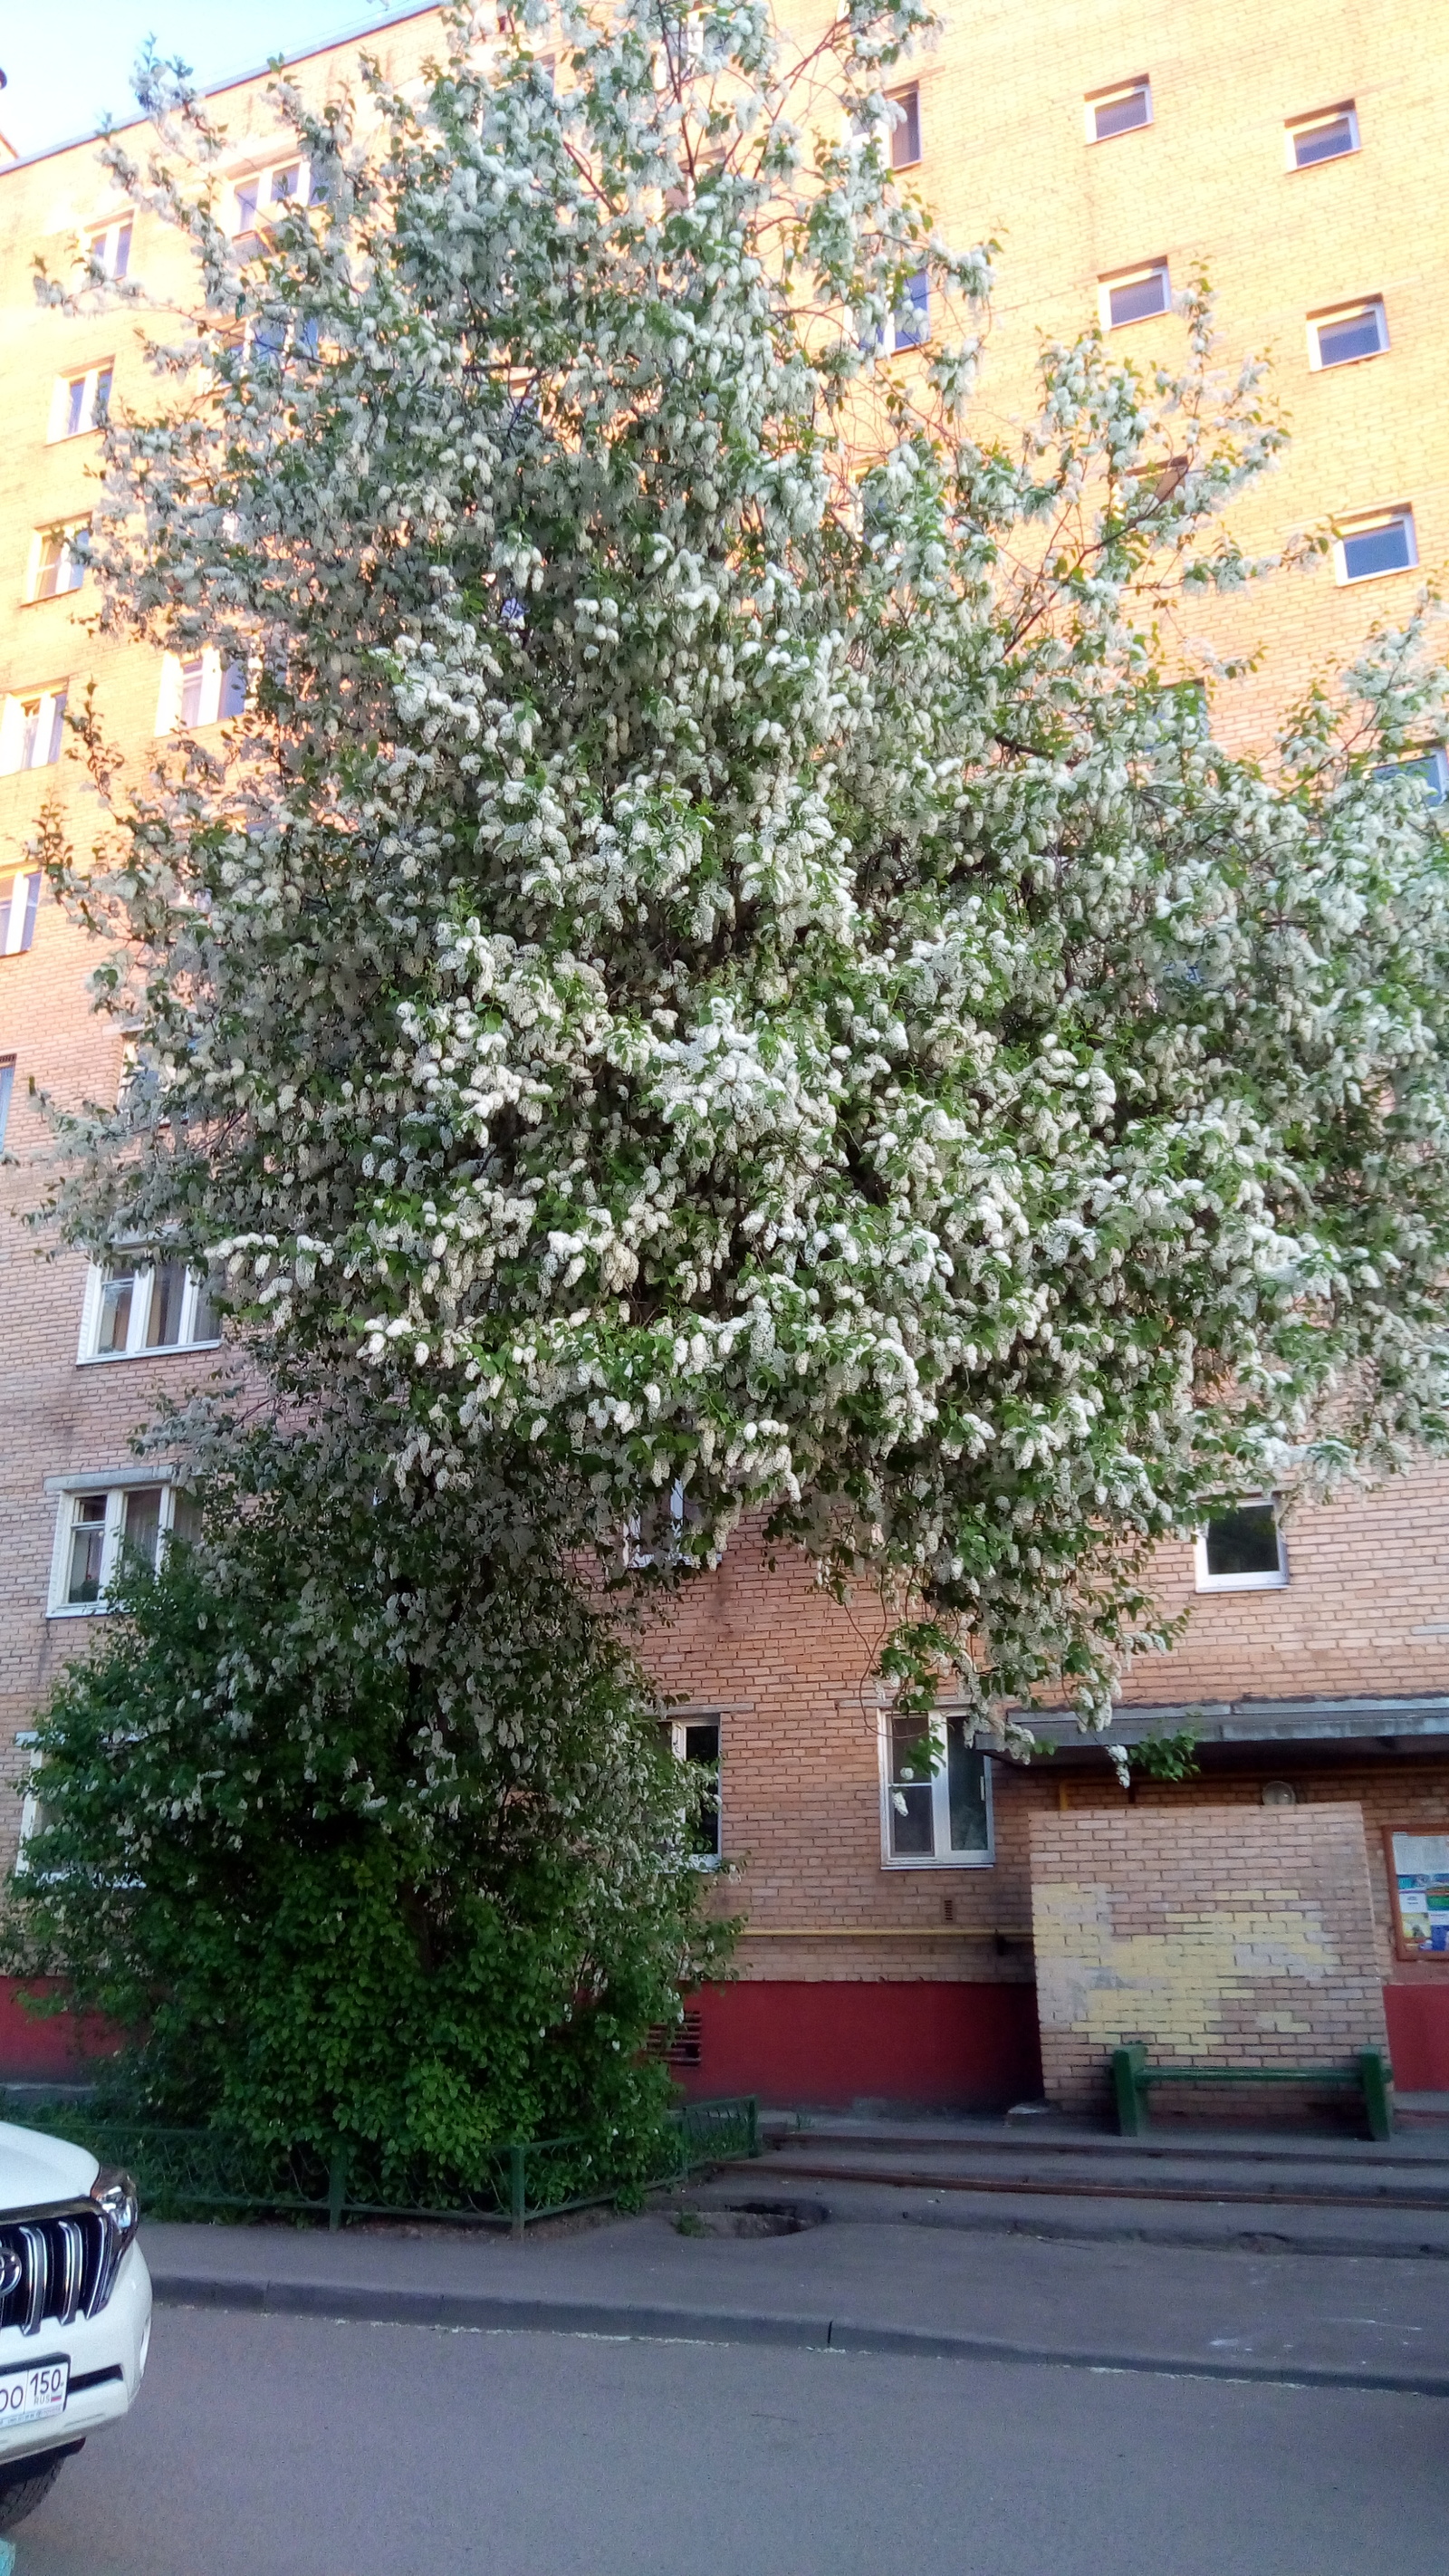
889, 2272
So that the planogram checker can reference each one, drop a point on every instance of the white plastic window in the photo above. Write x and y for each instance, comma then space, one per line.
1375, 543
696, 1740
32, 730
1134, 294
58, 559
906, 132
7, 1087
199, 689
1326, 135
19, 904
935, 1795
79, 403
1241, 1549
1426, 770
260, 197
96, 1525
1118, 110
129, 1313
110, 248
1347, 332
910, 325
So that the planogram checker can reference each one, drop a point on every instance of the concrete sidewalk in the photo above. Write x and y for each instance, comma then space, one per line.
882, 2275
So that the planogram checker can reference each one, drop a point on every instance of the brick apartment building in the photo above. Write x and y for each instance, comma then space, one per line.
888, 1944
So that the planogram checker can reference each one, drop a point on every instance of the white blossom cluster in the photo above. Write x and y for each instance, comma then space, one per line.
725, 950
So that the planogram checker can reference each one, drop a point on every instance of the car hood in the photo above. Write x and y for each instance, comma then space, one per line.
35, 2168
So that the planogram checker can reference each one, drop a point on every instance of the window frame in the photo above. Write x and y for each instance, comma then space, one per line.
266, 209
7, 1094
902, 98
937, 1858
1119, 277
90, 380
22, 922
891, 343
1328, 314
1362, 523
50, 700
215, 678
70, 563
1433, 754
111, 244
116, 1484
88, 1352
1204, 1581
676, 1726
1293, 126
1140, 86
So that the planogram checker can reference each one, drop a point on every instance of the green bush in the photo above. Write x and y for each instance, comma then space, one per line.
360, 1825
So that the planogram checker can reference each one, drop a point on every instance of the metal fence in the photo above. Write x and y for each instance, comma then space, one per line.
194, 2172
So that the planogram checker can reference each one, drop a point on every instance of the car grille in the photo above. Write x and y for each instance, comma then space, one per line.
66, 2261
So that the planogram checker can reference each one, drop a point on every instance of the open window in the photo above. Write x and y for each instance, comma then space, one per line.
1241, 1548
695, 1741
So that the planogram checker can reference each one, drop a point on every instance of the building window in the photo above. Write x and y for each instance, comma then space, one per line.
906, 132
1242, 1550
110, 248
7, 1086
935, 1795
910, 325
128, 1312
260, 197
58, 559
99, 1522
1324, 136
1134, 294
1118, 110
80, 403
198, 689
1427, 770
31, 731
695, 1740
1350, 331
1380, 541
19, 904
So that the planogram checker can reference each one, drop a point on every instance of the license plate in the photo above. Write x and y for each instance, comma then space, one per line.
32, 2396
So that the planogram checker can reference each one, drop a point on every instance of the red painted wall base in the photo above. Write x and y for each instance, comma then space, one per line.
56, 2049
831, 2045
1418, 2019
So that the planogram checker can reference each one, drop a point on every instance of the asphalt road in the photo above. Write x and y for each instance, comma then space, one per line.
290, 2446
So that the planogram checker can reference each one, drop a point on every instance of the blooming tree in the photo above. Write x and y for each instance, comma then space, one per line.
724, 957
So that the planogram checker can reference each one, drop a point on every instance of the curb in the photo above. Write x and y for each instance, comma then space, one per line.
625, 2322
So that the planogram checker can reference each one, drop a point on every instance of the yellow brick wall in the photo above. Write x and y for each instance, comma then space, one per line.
1215, 1935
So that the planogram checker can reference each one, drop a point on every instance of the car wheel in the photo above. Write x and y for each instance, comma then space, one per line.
26, 2483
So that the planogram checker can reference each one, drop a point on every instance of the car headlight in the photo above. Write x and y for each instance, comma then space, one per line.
116, 2194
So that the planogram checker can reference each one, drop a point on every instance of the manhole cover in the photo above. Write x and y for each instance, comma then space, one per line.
752, 2218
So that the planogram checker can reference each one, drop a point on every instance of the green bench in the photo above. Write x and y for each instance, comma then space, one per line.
1369, 2073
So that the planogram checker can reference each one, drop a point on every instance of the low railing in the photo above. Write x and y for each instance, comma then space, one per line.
185, 2172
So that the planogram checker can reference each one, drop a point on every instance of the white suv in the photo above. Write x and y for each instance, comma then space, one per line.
75, 2309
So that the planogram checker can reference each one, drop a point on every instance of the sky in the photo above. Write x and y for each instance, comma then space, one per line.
69, 62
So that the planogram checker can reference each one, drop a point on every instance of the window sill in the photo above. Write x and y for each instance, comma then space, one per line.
1242, 1583
1361, 580
951, 1860
79, 1610
1340, 366
160, 1351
